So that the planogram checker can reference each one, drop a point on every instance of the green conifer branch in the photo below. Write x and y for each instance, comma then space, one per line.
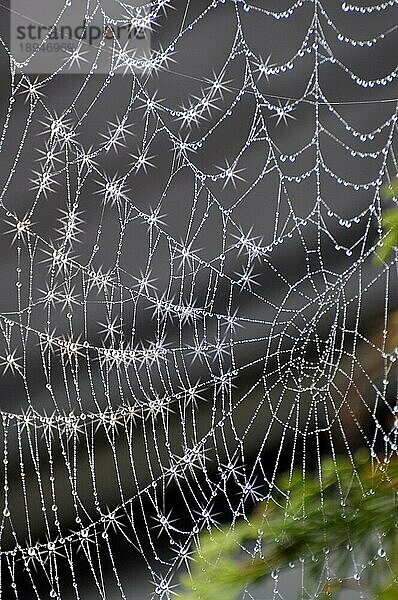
389, 224
313, 526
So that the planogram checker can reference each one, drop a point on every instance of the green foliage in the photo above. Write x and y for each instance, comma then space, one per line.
389, 241
311, 524
389, 223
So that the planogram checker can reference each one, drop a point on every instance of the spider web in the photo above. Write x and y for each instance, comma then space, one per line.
189, 277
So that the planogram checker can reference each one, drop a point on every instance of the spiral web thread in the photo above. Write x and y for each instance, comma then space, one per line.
156, 336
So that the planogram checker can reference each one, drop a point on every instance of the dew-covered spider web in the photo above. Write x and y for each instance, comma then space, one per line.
190, 303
